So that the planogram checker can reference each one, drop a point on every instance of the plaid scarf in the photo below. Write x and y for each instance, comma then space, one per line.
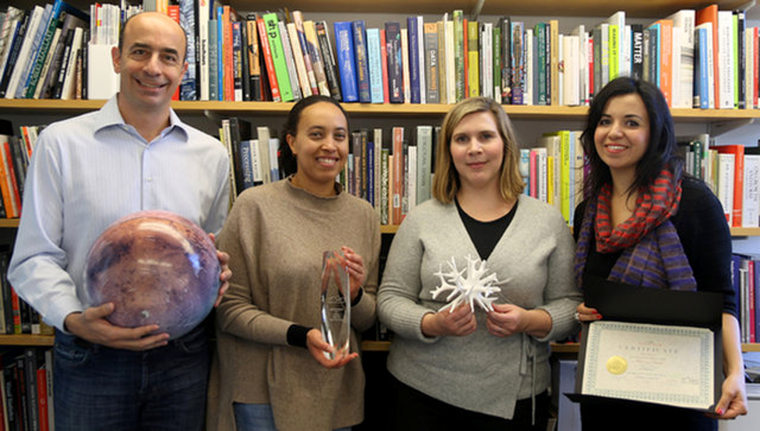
652, 252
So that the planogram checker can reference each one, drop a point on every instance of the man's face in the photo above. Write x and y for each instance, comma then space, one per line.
151, 61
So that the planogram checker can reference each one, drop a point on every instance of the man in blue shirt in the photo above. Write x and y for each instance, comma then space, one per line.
86, 172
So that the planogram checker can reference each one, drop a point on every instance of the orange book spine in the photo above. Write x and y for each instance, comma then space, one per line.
5, 189
736, 210
42, 403
267, 53
15, 195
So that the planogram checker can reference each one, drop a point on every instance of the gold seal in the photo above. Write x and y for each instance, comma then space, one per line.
617, 365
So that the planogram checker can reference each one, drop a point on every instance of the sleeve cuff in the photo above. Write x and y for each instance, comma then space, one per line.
297, 335
359, 295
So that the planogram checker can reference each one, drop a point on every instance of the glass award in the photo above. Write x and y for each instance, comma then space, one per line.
335, 314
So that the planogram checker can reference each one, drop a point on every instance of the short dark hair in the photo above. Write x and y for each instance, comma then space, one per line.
661, 151
124, 26
287, 160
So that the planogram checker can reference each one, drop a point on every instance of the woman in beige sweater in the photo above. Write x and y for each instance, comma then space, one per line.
271, 371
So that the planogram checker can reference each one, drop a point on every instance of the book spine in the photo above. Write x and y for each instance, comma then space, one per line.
289, 61
328, 58
267, 56
393, 46
344, 47
188, 85
254, 62
317, 59
362, 65
375, 68
278, 56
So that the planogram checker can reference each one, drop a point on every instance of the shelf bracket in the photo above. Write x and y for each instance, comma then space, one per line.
479, 6
726, 127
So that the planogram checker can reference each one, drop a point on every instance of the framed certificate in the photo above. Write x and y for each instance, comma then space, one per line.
660, 364
653, 346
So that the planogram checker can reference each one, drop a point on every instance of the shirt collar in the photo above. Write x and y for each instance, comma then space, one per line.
109, 116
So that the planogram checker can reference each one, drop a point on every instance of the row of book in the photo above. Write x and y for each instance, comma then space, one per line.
706, 58
745, 276
26, 386
731, 171
15, 153
16, 316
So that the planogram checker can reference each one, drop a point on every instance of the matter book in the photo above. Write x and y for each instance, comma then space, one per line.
317, 57
375, 65
268, 61
395, 62
738, 181
328, 58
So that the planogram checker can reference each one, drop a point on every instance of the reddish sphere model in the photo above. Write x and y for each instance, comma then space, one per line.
157, 268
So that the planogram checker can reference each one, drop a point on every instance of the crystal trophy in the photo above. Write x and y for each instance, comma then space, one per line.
335, 313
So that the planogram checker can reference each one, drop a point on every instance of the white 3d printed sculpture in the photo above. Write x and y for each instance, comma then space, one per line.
473, 288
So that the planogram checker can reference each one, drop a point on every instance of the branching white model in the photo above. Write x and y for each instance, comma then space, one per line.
473, 288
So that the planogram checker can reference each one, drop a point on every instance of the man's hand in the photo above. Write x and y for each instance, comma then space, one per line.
225, 274
92, 326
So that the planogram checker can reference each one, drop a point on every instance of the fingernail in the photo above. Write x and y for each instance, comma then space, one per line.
598, 316
719, 411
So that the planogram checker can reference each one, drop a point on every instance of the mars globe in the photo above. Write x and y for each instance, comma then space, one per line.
157, 268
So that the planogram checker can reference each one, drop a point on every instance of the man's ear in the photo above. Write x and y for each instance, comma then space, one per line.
116, 59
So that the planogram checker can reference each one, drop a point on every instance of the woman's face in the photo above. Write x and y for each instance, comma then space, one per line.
320, 145
477, 150
622, 134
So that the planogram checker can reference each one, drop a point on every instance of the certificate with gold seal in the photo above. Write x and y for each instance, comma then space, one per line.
662, 364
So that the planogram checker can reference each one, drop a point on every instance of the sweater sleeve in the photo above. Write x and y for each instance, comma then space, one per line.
398, 304
237, 314
364, 312
561, 296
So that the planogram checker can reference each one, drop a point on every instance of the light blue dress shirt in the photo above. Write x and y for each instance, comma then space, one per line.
86, 172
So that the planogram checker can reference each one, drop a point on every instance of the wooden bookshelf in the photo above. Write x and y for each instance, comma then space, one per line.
525, 112
26, 340
561, 348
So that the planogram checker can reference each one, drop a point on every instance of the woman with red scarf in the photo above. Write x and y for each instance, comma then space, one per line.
646, 223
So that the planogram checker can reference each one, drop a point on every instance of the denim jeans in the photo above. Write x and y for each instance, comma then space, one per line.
258, 417
100, 388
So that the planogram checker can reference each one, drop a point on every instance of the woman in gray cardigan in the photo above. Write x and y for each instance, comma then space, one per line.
464, 367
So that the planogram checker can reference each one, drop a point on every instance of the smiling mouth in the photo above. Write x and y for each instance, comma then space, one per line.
149, 85
327, 161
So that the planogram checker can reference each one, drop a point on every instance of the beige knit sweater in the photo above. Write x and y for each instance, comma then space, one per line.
275, 235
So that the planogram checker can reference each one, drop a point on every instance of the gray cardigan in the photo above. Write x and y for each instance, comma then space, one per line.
479, 372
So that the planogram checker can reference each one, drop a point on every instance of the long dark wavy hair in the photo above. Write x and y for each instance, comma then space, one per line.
661, 151
287, 160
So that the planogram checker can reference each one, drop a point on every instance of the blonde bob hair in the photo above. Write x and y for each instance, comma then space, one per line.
446, 181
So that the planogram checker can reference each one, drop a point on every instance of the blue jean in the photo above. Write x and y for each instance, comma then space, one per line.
100, 388
258, 417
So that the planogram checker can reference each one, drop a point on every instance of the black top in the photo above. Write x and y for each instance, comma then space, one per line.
705, 237
486, 234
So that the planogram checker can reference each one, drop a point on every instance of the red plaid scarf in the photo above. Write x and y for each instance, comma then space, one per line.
654, 206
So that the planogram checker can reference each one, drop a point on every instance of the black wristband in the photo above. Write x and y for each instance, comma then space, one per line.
358, 297
297, 335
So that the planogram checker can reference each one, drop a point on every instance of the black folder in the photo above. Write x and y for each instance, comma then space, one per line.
634, 304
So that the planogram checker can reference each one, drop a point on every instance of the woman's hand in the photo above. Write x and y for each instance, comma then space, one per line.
505, 320
733, 399
586, 314
356, 273
318, 347
509, 319
460, 322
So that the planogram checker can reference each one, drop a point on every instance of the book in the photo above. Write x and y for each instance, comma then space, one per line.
254, 60
25, 56
304, 51
738, 181
187, 20
397, 180
19, 31
432, 89
473, 60
278, 55
374, 65
358, 29
424, 163
751, 188
328, 58
289, 61
318, 57
266, 52
395, 62
299, 60
709, 14
344, 48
